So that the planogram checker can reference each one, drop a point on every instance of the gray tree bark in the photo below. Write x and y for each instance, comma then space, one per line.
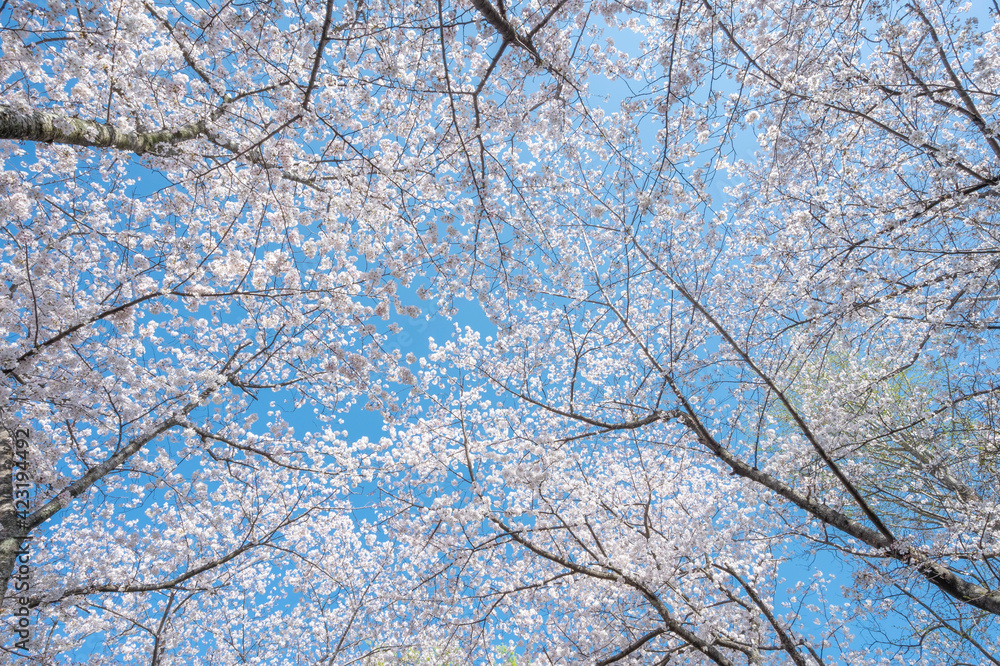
48, 127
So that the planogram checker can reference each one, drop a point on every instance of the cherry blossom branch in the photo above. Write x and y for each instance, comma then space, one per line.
150, 587
68, 331
454, 112
603, 425
206, 434
941, 576
613, 574
48, 127
318, 58
185, 51
10, 541
158, 635
791, 91
960, 89
255, 156
786, 641
938, 574
632, 647
548, 17
766, 378
508, 32
945, 624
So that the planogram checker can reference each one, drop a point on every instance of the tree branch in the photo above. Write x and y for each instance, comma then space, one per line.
506, 30
632, 647
49, 127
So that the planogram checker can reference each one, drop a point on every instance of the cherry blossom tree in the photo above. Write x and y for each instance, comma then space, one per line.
738, 261
714, 360
199, 220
